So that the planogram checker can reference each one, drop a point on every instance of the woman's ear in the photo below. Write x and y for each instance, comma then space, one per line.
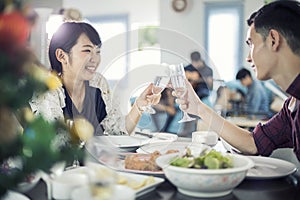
61, 56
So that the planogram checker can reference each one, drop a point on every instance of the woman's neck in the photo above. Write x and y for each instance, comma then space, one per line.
76, 91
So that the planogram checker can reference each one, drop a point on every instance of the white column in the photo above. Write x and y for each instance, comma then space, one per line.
39, 37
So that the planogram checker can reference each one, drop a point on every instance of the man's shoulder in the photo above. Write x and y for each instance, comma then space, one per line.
190, 67
206, 70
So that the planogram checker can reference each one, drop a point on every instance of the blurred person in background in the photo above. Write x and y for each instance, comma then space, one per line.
165, 112
200, 87
205, 72
200, 75
257, 99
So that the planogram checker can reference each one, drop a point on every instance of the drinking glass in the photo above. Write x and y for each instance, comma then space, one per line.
81, 131
159, 84
221, 97
177, 75
101, 181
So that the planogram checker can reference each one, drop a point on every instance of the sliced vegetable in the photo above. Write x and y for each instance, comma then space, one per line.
211, 160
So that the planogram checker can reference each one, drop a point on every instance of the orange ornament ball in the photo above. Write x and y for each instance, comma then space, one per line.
14, 28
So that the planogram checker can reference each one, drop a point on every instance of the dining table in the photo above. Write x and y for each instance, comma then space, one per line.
245, 121
286, 187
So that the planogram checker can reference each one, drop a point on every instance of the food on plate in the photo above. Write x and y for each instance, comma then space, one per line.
144, 162
208, 160
135, 184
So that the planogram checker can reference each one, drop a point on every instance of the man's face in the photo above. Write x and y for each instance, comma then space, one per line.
247, 81
259, 55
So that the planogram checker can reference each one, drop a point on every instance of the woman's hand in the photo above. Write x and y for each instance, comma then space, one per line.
191, 102
147, 97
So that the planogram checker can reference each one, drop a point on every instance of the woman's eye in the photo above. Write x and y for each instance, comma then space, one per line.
86, 50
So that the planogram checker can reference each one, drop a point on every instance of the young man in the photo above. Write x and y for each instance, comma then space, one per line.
257, 100
274, 40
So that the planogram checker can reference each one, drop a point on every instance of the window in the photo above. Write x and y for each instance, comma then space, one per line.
223, 36
113, 31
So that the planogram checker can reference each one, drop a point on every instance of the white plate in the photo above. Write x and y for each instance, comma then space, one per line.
120, 166
11, 195
120, 193
124, 142
269, 168
159, 137
139, 177
84, 193
163, 147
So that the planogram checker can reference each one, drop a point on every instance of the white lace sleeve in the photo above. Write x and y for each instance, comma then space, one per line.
114, 122
49, 104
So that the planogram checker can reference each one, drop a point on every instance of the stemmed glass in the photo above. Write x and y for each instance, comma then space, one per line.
81, 131
159, 84
177, 75
220, 96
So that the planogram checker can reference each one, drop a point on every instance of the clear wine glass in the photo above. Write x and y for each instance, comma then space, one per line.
159, 84
221, 97
177, 75
81, 133
70, 125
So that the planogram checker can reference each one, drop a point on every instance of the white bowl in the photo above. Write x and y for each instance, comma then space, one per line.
206, 182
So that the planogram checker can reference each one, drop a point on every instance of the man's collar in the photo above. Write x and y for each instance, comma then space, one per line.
294, 88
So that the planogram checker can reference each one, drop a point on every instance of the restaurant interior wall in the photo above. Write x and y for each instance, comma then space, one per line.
189, 24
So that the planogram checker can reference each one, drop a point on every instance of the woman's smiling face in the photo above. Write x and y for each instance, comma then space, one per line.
83, 59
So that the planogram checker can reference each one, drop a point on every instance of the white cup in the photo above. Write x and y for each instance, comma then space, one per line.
63, 185
101, 181
209, 138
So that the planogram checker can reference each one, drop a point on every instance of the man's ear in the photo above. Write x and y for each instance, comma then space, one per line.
61, 56
275, 39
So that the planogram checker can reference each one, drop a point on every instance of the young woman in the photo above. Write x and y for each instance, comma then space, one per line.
75, 54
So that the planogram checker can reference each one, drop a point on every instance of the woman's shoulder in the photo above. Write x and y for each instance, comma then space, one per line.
99, 81
50, 95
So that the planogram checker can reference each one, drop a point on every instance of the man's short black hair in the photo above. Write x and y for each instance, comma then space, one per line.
195, 56
242, 73
283, 16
